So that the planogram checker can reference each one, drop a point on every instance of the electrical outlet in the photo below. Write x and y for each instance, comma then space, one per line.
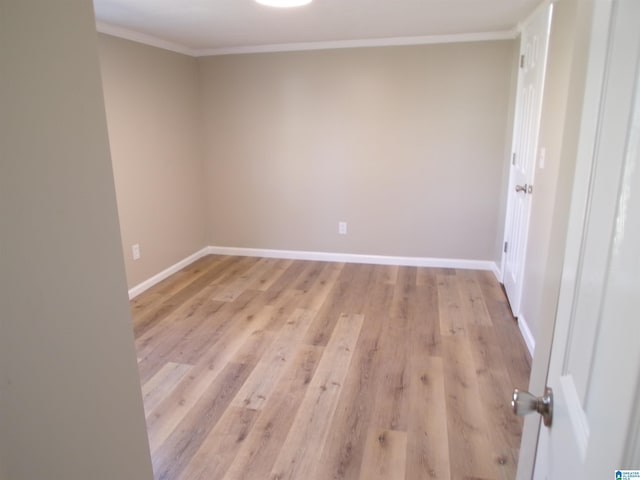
342, 228
135, 251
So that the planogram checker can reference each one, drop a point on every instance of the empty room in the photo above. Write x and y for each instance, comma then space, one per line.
313, 239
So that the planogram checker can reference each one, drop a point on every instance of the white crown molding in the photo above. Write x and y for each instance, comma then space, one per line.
145, 39
370, 42
127, 34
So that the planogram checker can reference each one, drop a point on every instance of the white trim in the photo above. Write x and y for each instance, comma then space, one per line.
357, 258
515, 297
577, 415
501, 263
368, 42
318, 256
143, 38
632, 451
520, 26
526, 334
150, 282
497, 271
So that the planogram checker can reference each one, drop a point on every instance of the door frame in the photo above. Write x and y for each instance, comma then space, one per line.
591, 105
610, 36
515, 138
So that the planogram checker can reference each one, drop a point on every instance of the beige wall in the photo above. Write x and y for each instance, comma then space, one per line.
559, 134
406, 144
152, 103
70, 401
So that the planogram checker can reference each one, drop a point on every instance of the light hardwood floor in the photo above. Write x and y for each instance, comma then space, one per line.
277, 369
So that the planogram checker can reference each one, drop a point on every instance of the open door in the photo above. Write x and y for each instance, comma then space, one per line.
533, 60
594, 368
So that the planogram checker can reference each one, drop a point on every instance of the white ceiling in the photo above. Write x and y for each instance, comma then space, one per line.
210, 26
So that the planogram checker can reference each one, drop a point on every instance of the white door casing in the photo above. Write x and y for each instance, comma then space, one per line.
533, 59
595, 358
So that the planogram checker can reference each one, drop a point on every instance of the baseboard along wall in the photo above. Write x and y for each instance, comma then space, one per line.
167, 272
320, 257
526, 334
337, 257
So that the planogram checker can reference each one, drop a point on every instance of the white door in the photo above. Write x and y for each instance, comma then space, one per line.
595, 359
533, 60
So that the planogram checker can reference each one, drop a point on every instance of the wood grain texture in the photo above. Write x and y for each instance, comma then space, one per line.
256, 457
298, 457
384, 455
256, 368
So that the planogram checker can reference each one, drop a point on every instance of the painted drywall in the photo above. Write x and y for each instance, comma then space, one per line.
406, 144
559, 135
70, 400
153, 115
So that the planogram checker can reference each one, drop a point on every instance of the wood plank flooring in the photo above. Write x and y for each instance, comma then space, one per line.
256, 368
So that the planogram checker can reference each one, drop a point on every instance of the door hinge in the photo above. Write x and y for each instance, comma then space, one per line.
513, 158
521, 61
506, 246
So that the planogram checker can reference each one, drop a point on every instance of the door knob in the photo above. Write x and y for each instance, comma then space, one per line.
523, 403
524, 188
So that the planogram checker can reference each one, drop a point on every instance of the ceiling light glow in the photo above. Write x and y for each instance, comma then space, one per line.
284, 3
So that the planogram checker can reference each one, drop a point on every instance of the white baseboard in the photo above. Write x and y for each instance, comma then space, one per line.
318, 256
150, 282
358, 258
526, 334
497, 271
